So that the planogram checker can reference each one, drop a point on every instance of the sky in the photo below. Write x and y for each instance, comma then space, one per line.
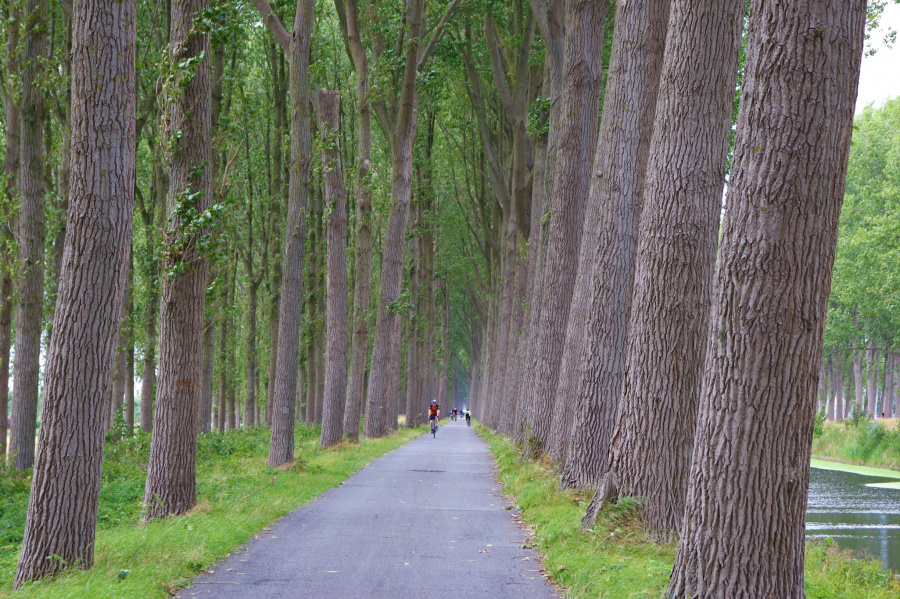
879, 79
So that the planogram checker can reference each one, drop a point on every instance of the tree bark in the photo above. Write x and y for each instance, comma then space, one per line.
871, 379
171, 473
62, 510
615, 201
580, 98
858, 380
10, 172
30, 292
281, 446
829, 397
207, 363
327, 105
839, 385
363, 263
649, 453
743, 531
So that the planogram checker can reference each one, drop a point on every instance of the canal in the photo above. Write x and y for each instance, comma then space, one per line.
861, 512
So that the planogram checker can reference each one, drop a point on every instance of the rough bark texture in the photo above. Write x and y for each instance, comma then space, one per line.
207, 362
363, 266
858, 380
616, 193
10, 172
281, 447
838, 385
327, 106
395, 235
580, 98
171, 473
871, 378
743, 531
30, 292
650, 449
62, 510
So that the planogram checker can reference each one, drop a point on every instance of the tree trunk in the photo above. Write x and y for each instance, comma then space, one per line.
743, 531
10, 172
615, 200
402, 140
30, 292
207, 363
120, 367
129, 369
872, 379
363, 265
674, 264
858, 380
580, 97
839, 386
327, 105
888, 403
171, 473
281, 446
221, 400
826, 375
60, 534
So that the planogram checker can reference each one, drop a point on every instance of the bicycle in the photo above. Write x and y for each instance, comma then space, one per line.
434, 428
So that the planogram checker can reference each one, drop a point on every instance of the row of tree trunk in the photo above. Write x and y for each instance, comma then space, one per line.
873, 379
649, 342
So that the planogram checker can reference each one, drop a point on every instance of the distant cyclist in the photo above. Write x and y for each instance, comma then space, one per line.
468, 417
434, 412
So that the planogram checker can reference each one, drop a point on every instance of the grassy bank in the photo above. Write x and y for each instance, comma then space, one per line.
615, 560
238, 495
861, 441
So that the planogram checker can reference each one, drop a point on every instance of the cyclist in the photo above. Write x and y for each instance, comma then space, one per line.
434, 412
468, 417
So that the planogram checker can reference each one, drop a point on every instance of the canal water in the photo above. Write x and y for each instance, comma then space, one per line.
859, 517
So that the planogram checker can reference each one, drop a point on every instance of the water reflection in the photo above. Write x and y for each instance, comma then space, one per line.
864, 519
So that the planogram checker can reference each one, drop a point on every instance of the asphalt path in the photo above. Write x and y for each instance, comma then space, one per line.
426, 520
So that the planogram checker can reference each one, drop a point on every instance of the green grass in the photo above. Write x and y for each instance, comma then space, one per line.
616, 559
238, 495
862, 442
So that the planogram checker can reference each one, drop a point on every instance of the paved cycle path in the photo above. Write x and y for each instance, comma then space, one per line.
426, 520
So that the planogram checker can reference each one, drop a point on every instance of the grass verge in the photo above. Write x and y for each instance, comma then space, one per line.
238, 495
616, 560
859, 441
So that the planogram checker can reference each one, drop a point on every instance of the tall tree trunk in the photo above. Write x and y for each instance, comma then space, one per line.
871, 378
120, 367
207, 363
148, 376
327, 109
839, 384
826, 375
402, 140
60, 533
222, 397
743, 533
580, 97
615, 199
412, 344
674, 263
296, 44
171, 473
858, 381
10, 173
363, 264
887, 406
30, 292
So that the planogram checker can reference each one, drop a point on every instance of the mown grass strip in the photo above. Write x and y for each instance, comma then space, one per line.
616, 560
238, 495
